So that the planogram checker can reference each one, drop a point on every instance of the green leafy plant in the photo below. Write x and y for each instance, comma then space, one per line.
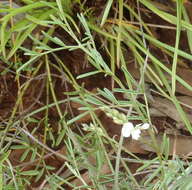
90, 157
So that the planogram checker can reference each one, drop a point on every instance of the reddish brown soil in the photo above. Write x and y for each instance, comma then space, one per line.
36, 94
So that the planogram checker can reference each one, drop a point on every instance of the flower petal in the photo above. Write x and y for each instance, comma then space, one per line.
128, 125
136, 134
145, 126
127, 129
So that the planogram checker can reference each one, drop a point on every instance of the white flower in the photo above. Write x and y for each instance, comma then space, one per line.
145, 126
129, 130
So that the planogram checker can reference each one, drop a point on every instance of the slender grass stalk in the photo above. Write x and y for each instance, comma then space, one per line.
123, 31
178, 32
119, 33
117, 164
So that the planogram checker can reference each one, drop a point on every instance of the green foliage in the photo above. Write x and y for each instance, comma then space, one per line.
88, 151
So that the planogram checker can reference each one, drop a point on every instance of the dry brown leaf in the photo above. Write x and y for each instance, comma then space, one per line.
134, 146
186, 102
166, 107
179, 144
184, 73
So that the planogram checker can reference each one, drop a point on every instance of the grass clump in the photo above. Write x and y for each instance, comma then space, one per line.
74, 75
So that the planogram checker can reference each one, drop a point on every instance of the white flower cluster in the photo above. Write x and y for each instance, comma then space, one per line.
128, 130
